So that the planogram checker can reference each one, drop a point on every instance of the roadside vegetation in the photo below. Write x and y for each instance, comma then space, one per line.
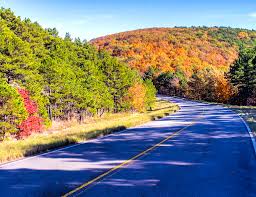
112, 81
92, 128
248, 113
242, 75
46, 78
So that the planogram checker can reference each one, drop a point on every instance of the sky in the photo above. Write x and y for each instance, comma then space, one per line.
89, 19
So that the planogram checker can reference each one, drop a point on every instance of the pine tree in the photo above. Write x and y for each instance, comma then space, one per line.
66, 79
12, 109
243, 74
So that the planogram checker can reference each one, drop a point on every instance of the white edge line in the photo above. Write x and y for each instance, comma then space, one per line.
253, 140
250, 133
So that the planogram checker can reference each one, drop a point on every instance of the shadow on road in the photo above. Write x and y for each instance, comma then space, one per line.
213, 156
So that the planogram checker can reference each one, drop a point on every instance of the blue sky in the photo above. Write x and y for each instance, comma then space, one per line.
88, 19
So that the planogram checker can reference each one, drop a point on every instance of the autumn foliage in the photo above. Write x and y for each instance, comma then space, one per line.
137, 97
30, 105
73, 79
189, 62
169, 48
33, 123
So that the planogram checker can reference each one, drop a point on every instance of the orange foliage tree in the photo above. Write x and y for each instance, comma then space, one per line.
136, 97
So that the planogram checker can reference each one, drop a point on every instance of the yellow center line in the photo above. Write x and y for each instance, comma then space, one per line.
83, 186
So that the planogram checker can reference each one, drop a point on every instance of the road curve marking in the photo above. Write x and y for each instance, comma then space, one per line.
250, 134
85, 185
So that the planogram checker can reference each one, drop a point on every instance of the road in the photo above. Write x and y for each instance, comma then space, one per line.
204, 150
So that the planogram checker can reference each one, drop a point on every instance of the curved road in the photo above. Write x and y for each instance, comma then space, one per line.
202, 150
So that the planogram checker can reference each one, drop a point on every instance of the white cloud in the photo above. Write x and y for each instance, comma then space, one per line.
253, 15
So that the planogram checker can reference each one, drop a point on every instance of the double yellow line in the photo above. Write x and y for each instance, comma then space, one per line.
85, 185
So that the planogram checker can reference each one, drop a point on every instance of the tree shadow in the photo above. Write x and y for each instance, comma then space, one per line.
213, 157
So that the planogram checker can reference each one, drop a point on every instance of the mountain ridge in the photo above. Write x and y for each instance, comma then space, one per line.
224, 41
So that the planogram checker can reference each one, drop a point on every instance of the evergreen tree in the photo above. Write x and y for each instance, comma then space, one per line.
12, 109
243, 74
62, 79
150, 96
117, 77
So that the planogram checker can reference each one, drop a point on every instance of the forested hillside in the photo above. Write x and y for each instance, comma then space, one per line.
44, 77
189, 62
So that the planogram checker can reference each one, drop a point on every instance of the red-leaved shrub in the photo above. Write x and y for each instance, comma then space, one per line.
33, 123
30, 105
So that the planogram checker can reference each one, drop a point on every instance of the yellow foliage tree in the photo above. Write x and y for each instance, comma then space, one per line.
224, 90
137, 97
243, 35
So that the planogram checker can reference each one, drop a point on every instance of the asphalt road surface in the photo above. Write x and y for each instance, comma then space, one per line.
202, 150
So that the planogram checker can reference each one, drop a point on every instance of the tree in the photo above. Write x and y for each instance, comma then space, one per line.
117, 77
68, 37
243, 74
163, 83
58, 79
53, 32
136, 97
150, 73
12, 109
150, 95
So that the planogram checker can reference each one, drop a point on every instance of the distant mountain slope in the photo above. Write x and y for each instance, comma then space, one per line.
169, 49
190, 62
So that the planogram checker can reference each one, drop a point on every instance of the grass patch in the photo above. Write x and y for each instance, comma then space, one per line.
248, 113
95, 127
